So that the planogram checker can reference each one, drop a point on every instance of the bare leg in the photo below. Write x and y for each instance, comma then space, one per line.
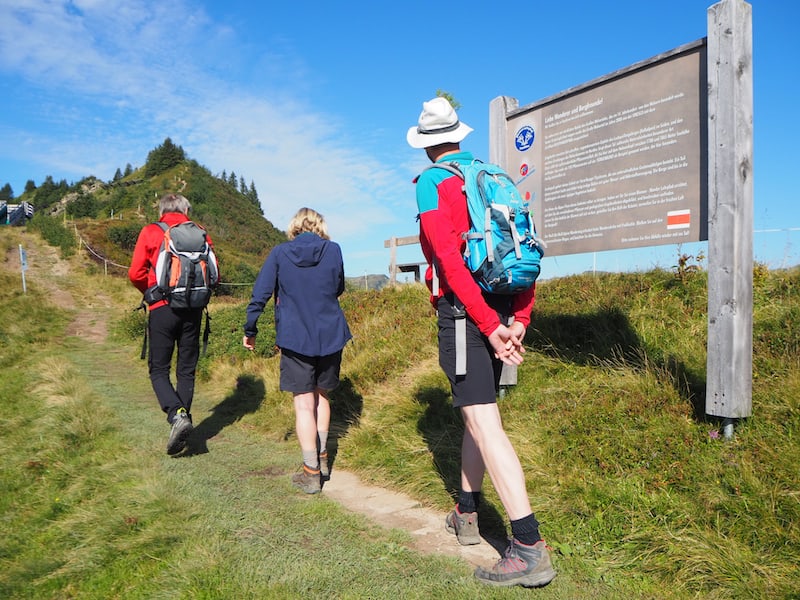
485, 428
305, 420
323, 411
472, 467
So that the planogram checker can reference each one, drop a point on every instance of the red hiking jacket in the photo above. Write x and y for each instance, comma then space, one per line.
142, 272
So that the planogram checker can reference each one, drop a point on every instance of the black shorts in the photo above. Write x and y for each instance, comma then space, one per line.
301, 374
482, 380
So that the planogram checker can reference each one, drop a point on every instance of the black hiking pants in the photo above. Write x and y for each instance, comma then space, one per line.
168, 329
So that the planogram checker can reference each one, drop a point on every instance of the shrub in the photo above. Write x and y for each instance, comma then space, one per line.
55, 233
124, 236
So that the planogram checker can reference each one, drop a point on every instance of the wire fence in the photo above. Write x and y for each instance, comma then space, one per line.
787, 254
106, 262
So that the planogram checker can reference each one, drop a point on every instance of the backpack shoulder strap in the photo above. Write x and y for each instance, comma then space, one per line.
206, 331
451, 167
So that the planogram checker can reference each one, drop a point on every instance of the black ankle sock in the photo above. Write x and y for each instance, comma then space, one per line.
468, 501
526, 530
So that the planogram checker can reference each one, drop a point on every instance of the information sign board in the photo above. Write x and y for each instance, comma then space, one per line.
620, 162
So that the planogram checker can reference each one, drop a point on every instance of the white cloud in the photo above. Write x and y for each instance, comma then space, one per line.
121, 76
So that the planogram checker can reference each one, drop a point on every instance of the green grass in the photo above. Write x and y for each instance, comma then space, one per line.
635, 493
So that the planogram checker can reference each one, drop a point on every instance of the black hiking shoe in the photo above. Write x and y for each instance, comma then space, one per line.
464, 526
181, 428
528, 566
308, 480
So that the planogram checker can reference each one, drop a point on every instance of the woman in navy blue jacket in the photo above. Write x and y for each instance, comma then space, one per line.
306, 277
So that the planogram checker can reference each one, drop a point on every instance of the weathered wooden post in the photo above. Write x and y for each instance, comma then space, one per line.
498, 154
730, 212
392, 244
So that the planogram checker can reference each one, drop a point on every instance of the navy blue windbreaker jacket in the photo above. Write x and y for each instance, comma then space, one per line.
306, 277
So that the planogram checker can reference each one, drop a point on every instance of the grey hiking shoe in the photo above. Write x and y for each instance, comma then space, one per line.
181, 428
307, 480
528, 566
464, 526
324, 470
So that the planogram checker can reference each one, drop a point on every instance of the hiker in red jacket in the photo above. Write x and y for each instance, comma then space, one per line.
168, 328
490, 342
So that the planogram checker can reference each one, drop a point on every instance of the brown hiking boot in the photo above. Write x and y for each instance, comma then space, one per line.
528, 566
308, 480
464, 526
323, 465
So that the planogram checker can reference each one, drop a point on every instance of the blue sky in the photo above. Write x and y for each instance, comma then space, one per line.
311, 101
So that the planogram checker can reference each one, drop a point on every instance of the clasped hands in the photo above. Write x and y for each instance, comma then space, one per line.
507, 343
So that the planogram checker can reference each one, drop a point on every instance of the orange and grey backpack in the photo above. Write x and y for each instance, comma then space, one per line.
186, 272
186, 268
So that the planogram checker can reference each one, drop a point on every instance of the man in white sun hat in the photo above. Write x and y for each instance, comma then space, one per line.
490, 343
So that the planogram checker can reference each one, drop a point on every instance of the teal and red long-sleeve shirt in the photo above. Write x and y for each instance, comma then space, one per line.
443, 218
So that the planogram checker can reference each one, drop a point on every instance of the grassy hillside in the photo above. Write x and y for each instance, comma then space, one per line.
108, 216
638, 494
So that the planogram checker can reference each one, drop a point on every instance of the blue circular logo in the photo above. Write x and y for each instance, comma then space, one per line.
523, 139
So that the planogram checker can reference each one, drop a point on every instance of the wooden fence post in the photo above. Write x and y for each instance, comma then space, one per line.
393, 260
392, 243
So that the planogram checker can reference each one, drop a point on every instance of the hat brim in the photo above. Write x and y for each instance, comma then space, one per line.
416, 139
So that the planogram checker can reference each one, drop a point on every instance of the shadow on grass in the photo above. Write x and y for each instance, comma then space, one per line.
245, 398
346, 408
442, 428
606, 336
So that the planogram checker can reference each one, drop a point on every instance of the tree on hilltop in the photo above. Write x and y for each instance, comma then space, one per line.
6, 193
252, 195
163, 157
50, 192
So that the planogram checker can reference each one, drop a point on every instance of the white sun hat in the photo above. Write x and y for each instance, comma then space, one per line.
438, 124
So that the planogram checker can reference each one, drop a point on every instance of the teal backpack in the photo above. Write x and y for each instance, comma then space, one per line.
502, 250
